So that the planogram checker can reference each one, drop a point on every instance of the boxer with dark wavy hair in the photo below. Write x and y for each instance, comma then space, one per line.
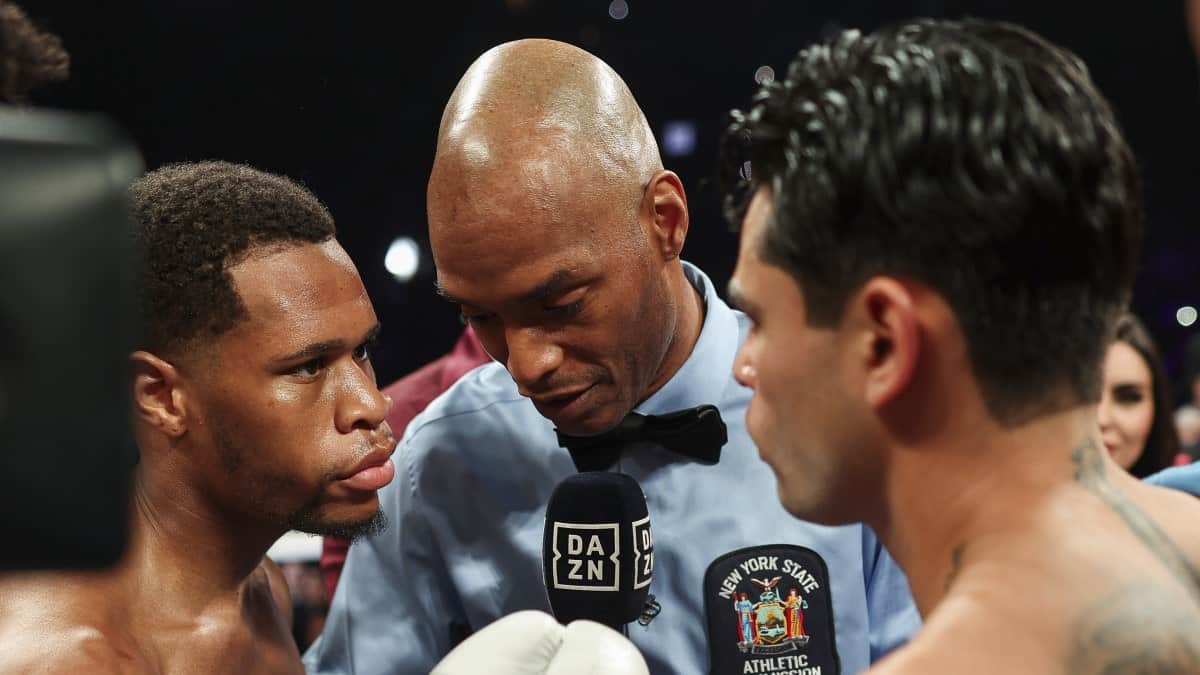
29, 57
255, 411
938, 234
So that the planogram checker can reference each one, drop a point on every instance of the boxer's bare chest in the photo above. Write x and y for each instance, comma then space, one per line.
214, 650
252, 638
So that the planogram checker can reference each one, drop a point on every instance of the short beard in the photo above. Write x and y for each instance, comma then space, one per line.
306, 520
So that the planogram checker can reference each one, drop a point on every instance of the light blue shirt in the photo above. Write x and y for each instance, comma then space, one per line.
1185, 478
475, 472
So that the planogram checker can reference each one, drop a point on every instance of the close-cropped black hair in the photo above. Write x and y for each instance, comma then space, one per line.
197, 220
972, 156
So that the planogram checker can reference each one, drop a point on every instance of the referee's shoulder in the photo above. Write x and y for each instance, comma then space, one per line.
482, 401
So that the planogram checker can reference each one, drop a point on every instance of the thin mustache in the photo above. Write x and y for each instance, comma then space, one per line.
379, 437
544, 389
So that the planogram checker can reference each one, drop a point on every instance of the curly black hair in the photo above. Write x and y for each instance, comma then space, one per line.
973, 156
197, 220
28, 57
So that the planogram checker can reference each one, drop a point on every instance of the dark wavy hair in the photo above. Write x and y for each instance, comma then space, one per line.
195, 222
1162, 445
29, 57
972, 156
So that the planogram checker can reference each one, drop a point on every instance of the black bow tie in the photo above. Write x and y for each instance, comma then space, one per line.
696, 432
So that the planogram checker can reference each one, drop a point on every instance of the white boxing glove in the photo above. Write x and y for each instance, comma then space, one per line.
533, 643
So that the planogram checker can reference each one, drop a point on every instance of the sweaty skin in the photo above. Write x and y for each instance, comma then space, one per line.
236, 446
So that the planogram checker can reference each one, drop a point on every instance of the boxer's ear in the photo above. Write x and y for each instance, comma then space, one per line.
891, 339
158, 397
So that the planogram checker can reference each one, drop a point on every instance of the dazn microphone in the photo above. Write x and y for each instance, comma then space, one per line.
597, 550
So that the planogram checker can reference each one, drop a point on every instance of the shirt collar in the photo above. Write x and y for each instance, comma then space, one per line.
705, 374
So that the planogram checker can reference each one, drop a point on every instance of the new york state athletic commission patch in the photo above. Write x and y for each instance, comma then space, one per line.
769, 611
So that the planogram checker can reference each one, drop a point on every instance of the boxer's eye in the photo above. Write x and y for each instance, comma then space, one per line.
308, 368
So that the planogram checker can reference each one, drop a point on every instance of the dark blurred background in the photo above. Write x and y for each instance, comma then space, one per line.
346, 97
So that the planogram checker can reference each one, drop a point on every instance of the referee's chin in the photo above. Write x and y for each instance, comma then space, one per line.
594, 418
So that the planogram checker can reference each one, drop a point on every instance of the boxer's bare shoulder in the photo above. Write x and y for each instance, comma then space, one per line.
1177, 513
55, 623
1149, 622
1103, 571
963, 635
251, 634
61, 623
82, 649
1138, 628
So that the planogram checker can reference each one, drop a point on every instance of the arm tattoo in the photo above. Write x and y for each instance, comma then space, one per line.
1089, 472
1141, 629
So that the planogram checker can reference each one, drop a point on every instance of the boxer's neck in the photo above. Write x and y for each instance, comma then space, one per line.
183, 551
974, 488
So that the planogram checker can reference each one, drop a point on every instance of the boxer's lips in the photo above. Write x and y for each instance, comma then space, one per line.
374, 470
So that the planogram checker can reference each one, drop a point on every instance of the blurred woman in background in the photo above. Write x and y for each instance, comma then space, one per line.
1135, 409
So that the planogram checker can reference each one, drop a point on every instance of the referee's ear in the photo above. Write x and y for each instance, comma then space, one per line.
664, 203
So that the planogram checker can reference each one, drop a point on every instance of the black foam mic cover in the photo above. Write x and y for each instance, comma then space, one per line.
597, 549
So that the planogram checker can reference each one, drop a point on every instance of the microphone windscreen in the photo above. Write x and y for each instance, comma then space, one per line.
597, 549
